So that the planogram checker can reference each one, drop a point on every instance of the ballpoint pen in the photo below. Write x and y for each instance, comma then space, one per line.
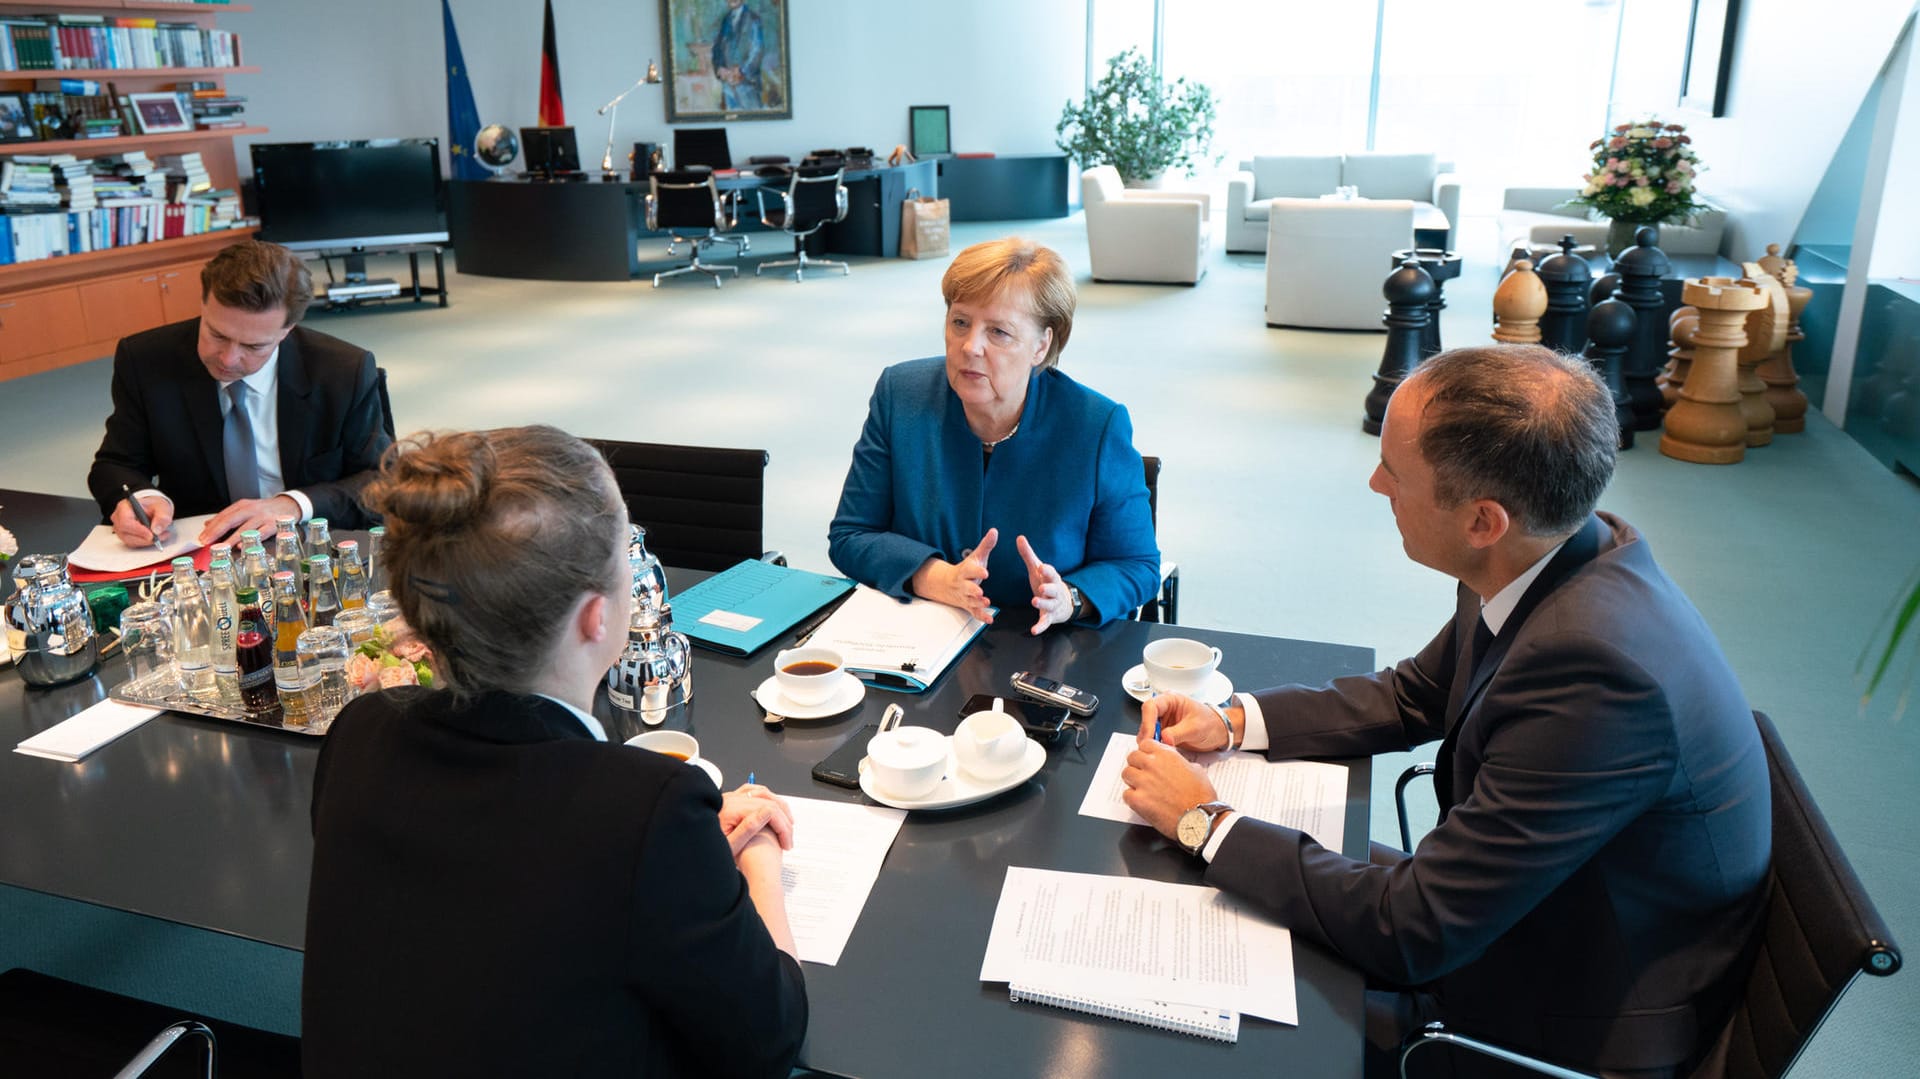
140, 514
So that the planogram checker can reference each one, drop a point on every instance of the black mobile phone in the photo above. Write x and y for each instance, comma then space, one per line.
1055, 692
1043, 722
842, 766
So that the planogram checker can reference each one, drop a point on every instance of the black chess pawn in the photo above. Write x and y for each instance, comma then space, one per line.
1641, 267
1442, 266
1568, 278
1610, 327
1603, 288
1409, 291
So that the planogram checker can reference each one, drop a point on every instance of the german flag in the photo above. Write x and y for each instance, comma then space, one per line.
552, 112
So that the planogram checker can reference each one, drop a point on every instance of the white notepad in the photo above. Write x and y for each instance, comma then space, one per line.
75, 738
103, 551
1202, 1022
895, 645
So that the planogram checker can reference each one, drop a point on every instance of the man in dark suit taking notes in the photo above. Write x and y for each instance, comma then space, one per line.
241, 412
1590, 891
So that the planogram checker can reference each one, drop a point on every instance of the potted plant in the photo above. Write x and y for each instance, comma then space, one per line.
1138, 122
1643, 174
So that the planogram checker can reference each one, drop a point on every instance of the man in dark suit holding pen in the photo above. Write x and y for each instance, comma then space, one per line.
1590, 892
240, 413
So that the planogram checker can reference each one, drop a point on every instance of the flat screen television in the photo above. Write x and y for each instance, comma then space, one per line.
350, 193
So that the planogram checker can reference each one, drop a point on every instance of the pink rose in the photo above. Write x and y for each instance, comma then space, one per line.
1622, 129
1641, 181
401, 675
1617, 142
1676, 127
1673, 187
1686, 139
1594, 145
363, 672
1662, 143
1623, 166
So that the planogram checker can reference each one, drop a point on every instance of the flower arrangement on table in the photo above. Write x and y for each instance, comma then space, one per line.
1643, 174
393, 657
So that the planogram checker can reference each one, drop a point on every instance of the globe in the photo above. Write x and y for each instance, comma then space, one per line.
496, 146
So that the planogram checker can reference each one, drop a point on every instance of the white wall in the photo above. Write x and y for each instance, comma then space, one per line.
374, 68
1800, 71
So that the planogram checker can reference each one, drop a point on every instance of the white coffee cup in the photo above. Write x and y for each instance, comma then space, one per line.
679, 745
907, 762
1179, 665
811, 684
989, 745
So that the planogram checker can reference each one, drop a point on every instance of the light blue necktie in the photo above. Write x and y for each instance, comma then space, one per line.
236, 445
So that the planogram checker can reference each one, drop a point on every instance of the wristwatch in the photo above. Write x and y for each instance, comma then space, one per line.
1074, 597
1196, 825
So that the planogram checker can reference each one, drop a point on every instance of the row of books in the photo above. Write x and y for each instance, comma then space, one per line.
60, 204
29, 236
74, 42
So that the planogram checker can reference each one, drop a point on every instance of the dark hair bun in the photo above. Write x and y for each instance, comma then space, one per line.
435, 483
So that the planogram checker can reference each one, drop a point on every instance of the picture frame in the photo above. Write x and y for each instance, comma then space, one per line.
159, 114
16, 119
928, 131
1709, 59
727, 60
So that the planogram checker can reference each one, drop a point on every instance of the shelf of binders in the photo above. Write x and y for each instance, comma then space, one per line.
119, 143
103, 6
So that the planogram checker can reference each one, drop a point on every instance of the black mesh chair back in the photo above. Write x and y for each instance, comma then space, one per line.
705, 146
386, 403
814, 197
684, 200
703, 508
1164, 607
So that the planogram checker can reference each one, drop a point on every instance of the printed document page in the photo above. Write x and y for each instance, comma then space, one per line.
827, 876
1308, 795
1101, 938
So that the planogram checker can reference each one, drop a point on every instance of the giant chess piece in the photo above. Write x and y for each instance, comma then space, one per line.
1603, 288
1442, 266
1609, 330
1766, 333
1783, 383
1681, 326
1706, 425
1517, 306
1641, 267
1568, 279
1410, 291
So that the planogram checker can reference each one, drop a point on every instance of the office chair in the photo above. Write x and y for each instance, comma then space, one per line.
1164, 607
703, 508
696, 149
50, 1026
814, 197
689, 200
1820, 932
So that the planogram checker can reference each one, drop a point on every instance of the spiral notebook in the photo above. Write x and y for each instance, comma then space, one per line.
1217, 1024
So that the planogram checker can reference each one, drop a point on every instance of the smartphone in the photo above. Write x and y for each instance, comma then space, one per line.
1055, 692
1044, 722
842, 766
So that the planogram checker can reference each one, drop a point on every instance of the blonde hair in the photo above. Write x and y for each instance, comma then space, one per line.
1015, 265
492, 536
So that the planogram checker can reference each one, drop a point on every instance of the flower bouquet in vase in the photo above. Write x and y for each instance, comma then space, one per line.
1644, 173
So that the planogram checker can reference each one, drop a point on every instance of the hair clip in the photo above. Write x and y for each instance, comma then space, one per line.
434, 590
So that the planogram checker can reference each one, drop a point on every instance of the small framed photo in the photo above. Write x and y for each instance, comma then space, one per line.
927, 132
159, 113
16, 120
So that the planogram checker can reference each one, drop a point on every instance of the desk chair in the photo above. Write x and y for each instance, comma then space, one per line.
1819, 933
814, 197
705, 148
50, 1026
703, 508
689, 200
1164, 607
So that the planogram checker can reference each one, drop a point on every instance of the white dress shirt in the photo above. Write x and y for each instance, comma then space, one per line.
586, 720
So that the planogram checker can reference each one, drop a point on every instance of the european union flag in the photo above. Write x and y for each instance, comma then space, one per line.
463, 116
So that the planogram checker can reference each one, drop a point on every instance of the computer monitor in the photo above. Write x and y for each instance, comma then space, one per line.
696, 146
352, 193
550, 151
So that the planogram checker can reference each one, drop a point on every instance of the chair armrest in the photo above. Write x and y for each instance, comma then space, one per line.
1424, 768
1239, 195
1438, 1034
1446, 196
1205, 200
151, 1053
653, 212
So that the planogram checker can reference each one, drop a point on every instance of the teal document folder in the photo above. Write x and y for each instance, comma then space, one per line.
739, 610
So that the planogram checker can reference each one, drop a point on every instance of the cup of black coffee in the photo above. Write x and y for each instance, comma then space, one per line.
808, 676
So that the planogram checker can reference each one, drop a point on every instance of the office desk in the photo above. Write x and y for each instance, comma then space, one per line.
206, 824
591, 230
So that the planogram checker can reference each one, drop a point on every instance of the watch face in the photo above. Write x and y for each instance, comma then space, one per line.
1192, 829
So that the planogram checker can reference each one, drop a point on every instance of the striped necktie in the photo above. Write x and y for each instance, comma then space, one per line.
236, 445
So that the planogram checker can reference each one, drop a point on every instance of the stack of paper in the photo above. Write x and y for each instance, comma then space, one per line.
895, 645
1308, 795
75, 738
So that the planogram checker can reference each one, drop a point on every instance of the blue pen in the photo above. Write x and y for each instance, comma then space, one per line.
1156, 730
749, 777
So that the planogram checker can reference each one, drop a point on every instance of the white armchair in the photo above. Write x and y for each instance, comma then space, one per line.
1138, 235
1327, 260
1530, 216
1420, 178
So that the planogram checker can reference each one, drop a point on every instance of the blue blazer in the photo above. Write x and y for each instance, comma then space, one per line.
1069, 480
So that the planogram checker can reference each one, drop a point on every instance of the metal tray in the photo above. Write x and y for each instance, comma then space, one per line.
158, 691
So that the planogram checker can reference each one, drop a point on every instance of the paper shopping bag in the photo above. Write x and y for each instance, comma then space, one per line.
924, 227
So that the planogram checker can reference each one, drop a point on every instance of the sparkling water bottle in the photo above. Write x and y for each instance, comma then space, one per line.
192, 632
323, 595
351, 578
226, 617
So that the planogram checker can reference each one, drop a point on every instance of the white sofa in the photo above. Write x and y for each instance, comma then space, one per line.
1420, 178
1328, 258
1535, 215
1138, 235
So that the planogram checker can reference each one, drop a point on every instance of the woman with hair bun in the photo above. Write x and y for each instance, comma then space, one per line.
496, 890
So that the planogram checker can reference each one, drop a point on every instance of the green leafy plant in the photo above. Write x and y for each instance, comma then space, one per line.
1898, 622
1138, 122
1643, 172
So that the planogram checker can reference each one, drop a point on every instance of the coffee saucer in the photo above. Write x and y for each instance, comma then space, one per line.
702, 763
1217, 690
957, 788
850, 693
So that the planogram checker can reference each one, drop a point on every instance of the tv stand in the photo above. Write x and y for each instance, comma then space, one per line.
353, 287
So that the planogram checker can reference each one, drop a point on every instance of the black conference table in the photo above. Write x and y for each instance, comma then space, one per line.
205, 823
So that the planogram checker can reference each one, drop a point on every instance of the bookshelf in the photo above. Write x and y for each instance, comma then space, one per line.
74, 308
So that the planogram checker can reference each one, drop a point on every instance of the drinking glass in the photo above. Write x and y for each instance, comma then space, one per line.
146, 636
322, 652
358, 624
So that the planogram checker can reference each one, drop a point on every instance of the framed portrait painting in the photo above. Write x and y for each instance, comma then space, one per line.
726, 60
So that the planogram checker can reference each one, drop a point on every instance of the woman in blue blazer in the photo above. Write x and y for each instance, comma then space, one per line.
994, 440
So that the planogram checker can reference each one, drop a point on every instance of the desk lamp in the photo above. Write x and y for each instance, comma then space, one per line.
611, 110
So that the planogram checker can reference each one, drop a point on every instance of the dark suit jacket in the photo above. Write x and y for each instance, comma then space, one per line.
1598, 870
496, 893
165, 429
